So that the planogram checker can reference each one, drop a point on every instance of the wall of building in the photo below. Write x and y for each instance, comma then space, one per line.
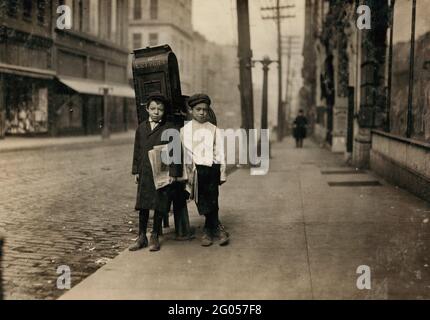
392, 143
34, 53
401, 153
403, 162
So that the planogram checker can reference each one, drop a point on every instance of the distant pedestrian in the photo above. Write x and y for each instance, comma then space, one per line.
148, 135
203, 145
300, 128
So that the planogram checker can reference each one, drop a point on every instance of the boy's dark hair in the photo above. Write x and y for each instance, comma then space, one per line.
301, 111
157, 98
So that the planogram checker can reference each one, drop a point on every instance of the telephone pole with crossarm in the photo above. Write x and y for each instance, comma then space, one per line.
278, 17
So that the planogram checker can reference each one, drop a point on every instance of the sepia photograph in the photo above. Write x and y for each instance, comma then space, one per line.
226, 153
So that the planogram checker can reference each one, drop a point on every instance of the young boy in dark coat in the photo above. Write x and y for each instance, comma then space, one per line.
148, 135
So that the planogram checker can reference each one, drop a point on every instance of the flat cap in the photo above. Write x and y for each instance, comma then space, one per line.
199, 98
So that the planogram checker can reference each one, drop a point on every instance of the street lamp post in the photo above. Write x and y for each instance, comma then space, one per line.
264, 106
106, 127
266, 62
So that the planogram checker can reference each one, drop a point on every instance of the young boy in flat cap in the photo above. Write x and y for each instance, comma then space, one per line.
148, 135
208, 159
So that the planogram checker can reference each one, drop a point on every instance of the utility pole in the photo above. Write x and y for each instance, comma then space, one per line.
280, 105
289, 53
278, 18
288, 95
245, 64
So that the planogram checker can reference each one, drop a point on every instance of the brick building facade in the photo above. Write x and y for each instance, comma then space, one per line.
51, 79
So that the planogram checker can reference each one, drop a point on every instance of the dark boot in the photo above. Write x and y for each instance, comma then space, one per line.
142, 240
154, 242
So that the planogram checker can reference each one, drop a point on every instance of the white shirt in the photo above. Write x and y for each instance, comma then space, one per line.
203, 145
153, 124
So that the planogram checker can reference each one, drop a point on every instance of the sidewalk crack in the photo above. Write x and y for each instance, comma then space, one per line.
306, 236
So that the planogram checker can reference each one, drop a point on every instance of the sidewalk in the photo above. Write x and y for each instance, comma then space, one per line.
292, 237
10, 144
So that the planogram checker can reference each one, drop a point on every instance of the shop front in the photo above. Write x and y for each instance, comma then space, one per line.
24, 100
33, 103
78, 106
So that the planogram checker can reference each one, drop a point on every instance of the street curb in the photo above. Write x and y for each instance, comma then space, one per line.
69, 145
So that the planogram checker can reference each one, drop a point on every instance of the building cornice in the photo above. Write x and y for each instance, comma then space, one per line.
30, 40
162, 24
27, 71
92, 40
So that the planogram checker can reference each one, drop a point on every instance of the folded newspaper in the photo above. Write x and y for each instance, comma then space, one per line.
160, 170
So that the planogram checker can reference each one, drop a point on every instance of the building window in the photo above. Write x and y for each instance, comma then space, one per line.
153, 39
81, 15
12, 8
401, 47
27, 8
41, 10
137, 10
109, 20
153, 9
94, 14
137, 40
410, 118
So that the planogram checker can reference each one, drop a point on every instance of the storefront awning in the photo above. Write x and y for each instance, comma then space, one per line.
93, 87
26, 71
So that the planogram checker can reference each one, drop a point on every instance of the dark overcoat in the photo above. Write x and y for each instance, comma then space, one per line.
300, 124
145, 140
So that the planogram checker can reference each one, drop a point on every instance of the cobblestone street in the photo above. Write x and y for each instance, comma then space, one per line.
69, 205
